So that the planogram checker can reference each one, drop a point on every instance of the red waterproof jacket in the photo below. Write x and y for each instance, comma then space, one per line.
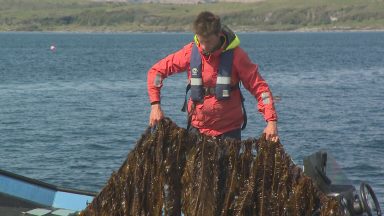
215, 117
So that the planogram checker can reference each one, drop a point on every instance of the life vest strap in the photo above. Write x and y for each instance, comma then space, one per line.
212, 90
244, 111
184, 108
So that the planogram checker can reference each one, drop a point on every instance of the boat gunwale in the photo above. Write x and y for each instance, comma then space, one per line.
46, 185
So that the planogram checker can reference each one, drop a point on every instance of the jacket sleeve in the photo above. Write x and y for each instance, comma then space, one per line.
249, 75
174, 63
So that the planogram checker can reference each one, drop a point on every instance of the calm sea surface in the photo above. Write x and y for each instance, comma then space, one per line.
71, 116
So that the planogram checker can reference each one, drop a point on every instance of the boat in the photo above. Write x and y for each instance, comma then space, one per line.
20, 195
327, 174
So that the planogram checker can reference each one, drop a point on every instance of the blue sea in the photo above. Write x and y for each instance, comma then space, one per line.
70, 116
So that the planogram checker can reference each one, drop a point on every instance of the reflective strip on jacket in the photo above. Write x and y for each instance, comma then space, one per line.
215, 117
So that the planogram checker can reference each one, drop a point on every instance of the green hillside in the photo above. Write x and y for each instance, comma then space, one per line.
269, 15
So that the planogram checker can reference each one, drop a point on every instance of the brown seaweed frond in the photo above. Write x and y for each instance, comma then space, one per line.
172, 171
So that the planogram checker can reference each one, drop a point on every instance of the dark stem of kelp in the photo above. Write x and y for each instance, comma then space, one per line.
172, 171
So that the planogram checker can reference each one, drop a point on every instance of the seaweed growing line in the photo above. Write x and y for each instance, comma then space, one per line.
174, 172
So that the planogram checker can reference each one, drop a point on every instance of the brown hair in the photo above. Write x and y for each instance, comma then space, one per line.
206, 24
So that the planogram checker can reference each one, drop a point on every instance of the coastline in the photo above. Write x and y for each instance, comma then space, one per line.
122, 17
300, 30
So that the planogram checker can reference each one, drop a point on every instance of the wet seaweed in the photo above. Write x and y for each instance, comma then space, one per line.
172, 171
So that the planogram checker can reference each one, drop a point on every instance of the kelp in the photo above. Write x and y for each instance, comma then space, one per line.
172, 171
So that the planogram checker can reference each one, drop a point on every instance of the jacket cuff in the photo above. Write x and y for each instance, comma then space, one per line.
270, 117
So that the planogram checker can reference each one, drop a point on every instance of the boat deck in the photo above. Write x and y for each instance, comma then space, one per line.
20, 195
10, 206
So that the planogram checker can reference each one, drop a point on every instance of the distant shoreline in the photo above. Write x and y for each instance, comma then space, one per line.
121, 16
186, 32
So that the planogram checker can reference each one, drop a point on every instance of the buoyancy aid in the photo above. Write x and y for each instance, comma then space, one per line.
223, 81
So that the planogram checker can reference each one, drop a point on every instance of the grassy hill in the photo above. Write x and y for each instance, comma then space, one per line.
269, 15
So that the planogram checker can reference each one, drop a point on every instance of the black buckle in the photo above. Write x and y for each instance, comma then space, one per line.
209, 91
